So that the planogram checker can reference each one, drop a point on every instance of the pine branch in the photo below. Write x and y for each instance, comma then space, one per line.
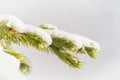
69, 59
32, 39
68, 45
63, 47
64, 43
27, 38
24, 67
91, 51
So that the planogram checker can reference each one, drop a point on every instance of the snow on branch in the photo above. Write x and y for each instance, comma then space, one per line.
46, 37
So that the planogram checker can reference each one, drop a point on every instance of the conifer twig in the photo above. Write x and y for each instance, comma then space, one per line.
63, 44
24, 67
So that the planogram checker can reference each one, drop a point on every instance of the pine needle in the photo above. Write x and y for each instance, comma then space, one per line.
69, 59
92, 52
64, 43
24, 68
27, 38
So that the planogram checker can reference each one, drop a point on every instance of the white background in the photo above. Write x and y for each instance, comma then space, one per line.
96, 19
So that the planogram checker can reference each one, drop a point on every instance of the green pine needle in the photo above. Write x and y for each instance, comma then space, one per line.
64, 43
27, 38
61, 47
24, 68
69, 59
82, 50
32, 39
16, 54
92, 52
44, 26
